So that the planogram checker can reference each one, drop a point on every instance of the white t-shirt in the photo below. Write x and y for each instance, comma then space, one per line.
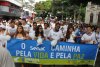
89, 37
31, 30
32, 33
4, 38
71, 39
52, 25
26, 27
55, 35
64, 29
5, 58
11, 30
46, 32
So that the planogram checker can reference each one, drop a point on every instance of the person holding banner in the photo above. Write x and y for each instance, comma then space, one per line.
20, 33
5, 58
55, 35
79, 34
39, 34
39, 31
89, 36
70, 35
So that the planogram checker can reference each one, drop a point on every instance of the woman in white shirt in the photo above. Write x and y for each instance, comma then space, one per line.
70, 35
20, 33
89, 36
39, 35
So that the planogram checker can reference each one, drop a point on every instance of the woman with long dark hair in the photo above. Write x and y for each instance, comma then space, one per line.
39, 35
39, 31
70, 35
20, 33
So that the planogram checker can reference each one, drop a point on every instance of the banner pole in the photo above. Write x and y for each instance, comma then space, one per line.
96, 56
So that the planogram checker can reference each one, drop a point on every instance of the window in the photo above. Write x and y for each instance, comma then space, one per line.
98, 18
91, 18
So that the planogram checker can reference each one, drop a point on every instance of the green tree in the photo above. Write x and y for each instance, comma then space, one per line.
45, 5
72, 8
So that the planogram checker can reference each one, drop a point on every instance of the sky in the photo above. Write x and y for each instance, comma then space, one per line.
39, 0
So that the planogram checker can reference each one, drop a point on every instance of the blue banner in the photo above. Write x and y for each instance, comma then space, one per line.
64, 53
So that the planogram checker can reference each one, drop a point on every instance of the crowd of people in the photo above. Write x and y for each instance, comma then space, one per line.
52, 29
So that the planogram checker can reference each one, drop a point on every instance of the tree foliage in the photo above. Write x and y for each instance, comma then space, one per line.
68, 8
72, 8
45, 5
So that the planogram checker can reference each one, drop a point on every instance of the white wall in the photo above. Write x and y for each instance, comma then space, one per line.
95, 12
4, 8
16, 2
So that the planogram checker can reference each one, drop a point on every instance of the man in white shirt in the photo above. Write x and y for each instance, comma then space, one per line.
32, 30
25, 25
5, 58
30, 21
63, 28
46, 30
11, 29
55, 34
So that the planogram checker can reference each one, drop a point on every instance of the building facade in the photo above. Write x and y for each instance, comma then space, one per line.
92, 14
10, 8
16, 8
28, 8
